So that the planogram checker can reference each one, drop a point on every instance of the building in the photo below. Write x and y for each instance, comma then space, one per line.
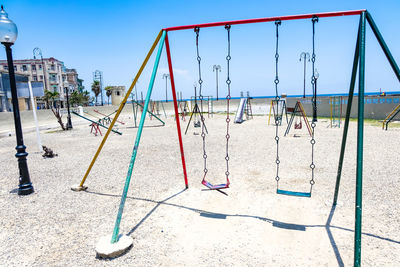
118, 94
52, 72
22, 91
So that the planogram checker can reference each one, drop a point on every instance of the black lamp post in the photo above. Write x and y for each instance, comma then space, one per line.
304, 56
217, 68
166, 76
8, 35
69, 122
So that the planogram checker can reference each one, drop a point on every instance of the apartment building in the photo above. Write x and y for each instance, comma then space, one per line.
52, 72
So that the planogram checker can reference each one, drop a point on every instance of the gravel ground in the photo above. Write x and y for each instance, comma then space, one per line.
252, 226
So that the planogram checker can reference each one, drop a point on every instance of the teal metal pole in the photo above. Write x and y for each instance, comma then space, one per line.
137, 141
348, 111
383, 45
360, 148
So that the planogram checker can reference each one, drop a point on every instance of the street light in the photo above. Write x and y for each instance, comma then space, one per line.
38, 51
69, 122
166, 76
217, 68
304, 56
8, 35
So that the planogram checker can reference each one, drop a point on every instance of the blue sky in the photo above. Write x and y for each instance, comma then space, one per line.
114, 36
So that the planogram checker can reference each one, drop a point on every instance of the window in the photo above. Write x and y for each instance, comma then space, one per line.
41, 77
34, 77
15, 68
53, 78
40, 66
24, 68
117, 92
33, 67
53, 67
5, 67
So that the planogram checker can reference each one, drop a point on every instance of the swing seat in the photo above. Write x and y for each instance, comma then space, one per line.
214, 187
197, 124
293, 193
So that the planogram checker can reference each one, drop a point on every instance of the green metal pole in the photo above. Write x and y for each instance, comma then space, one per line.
347, 120
383, 45
137, 103
137, 141
360, 148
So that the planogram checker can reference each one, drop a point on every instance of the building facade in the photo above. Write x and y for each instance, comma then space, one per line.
23, 91
117, 94
52, 72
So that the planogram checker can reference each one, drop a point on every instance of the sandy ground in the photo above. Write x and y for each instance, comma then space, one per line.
252, 226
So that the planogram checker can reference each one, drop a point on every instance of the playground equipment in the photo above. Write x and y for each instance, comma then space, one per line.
197, 113
390, 117
336, 110
107, 118
243, 108
183, 106
151, 114
208, 102
228, 97
277, 107
298, 108
155, 108
95, 125
358, 65
99, 119
240, 110
298, 112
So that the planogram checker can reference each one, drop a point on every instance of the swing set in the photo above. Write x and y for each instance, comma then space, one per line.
358, 65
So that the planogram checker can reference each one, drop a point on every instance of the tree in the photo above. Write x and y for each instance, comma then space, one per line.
51, 99
79, 98
108, 93
96, 89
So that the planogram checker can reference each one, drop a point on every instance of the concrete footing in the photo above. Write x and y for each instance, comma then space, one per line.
106, 249
78, 188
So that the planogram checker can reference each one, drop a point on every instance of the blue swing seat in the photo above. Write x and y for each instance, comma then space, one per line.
215, 187
293, 193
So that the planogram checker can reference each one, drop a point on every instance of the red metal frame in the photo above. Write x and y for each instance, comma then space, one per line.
247, 21
178, 125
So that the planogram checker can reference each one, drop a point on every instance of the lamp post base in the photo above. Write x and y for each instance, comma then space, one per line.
25, 189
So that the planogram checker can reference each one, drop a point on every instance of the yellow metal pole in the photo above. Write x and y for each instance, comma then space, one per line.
269, 116
121, 106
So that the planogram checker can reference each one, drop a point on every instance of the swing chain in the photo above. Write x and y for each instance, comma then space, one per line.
314, 103
276, 81
203, 135
228, 97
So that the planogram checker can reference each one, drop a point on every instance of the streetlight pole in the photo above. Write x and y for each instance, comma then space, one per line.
38, 51
217, 68
166, 76
305, 56
8, 35
69, 122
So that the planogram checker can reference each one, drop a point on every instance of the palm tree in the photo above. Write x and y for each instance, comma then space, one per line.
53, 97
79, 98
50, 96
108, 93
96, 89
